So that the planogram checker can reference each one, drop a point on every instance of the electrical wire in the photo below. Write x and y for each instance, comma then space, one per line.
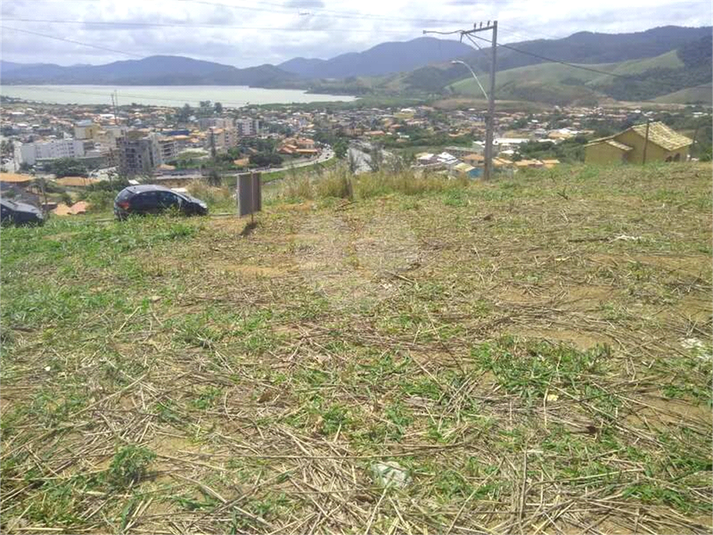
98, 47
572, 65
329, 13
196, 25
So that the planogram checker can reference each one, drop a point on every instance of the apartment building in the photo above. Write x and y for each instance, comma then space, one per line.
247, 127
30, 153
224, 138
86, 130
139, 153
204, 123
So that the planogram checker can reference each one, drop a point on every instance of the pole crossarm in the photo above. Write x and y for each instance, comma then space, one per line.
490, 95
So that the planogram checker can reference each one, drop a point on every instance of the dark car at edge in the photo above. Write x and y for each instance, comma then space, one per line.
149, 199
20, 213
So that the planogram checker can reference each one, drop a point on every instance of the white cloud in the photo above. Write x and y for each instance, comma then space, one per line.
310, 28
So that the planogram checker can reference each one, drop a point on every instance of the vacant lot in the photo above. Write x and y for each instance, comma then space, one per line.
532, 355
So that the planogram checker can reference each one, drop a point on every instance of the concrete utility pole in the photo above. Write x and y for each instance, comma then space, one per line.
490, 121
488, 171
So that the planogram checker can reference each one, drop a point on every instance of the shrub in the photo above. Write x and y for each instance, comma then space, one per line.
406, 182
210, 194
298, 187
130, 465
337, 184
99, 201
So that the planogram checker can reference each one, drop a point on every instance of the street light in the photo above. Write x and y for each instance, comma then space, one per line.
458, 62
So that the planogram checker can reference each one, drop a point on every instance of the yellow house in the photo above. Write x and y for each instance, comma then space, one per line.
664, 145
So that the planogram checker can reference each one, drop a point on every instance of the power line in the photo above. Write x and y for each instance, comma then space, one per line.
106, 49
584, 68
577, 66
281, 8
320, 12
561, 62
522, 32
195, 25
467, 33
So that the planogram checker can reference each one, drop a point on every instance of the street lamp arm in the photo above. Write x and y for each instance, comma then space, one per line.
455, 61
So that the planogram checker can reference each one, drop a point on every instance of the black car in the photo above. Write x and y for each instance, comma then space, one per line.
20, 213
149, 199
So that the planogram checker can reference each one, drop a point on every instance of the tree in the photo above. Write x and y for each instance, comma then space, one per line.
205, 108
218, 107
214, 178
184, 114
67, 167
6, 148
340, 148
264, 160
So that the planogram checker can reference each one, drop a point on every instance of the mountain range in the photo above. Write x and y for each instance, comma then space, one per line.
386, 58
679, 57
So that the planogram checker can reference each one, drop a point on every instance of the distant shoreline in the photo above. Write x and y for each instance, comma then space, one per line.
164, 95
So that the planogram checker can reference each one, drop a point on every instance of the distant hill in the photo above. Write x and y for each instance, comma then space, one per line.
154, 70
386, 58
677, 72
585, 47
663, 63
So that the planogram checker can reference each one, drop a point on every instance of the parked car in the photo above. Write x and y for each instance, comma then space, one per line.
20, 213
150, 199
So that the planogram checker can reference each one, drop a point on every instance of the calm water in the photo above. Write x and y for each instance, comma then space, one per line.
179, 95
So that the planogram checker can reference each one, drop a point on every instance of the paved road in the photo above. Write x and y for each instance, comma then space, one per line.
326, 154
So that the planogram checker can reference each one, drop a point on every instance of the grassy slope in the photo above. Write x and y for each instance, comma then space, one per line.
547, 78
507, 343
692, 95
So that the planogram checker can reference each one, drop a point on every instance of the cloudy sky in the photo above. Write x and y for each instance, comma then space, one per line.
251, 32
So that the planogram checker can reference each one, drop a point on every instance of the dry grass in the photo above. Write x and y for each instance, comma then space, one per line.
536, 353
339, 183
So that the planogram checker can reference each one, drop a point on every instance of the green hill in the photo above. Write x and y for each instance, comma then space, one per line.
691, 95
674, 72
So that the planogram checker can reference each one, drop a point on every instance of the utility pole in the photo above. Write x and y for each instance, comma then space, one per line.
490, 120
646, 142
115, 103
490, 126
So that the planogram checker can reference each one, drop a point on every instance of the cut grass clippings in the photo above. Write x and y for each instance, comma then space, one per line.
534, 354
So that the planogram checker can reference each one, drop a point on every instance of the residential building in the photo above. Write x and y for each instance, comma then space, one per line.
459, 152
224, 138
205, 123
468, 171
107, 137
30, 153
474, 159
247, 127
86, 130
168, 149
139, 153
661, 144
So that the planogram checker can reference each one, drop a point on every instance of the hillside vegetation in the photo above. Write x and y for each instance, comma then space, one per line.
644, 79
528, 355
